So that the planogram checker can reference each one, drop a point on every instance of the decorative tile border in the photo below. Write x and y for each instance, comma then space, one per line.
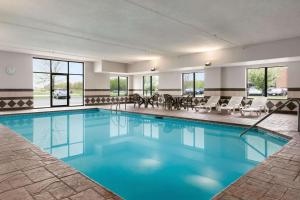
102, 100
14, 103
16, 99
272, 104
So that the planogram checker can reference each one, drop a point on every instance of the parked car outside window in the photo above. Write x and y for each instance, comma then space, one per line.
252, 91
277, 92
60, 94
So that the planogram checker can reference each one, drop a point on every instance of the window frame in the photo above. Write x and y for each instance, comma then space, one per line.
151, 84
119, 85
265, 90
194, 82
66, 74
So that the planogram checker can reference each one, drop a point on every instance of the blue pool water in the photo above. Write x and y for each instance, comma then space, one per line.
143, 157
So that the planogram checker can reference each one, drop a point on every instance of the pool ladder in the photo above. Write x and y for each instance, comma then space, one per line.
278, 108
117, 105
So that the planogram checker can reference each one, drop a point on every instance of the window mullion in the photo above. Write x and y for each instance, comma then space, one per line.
118, 85
150, 85
194, 84
266, 82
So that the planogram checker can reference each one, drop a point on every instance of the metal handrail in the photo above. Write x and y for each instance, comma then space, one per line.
117, 104
278, 108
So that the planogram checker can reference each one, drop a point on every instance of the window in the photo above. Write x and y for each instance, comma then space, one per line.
267, 81
193, 84
194, 137
118, 86
150, 85
123, 86
41, 82
151, 130
62, 136
76, 83
277, 82
154, 84
118, 126
57, 83
147, 85
59, 67
258, 148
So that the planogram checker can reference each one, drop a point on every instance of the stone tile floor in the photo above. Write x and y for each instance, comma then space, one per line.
28, 173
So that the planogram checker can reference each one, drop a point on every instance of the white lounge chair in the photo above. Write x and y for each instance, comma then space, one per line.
258, 105
233, 104
212, 102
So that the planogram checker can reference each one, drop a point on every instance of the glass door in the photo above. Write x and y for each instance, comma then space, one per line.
60, 95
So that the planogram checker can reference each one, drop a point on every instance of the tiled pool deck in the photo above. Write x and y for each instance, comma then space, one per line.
28, 173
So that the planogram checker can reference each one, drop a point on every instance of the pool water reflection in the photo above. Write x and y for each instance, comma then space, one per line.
142, 157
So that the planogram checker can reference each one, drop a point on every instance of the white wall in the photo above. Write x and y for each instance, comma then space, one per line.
293, 74
108, 66
233, 77
17, 87
225, 81
97, 83
95, 80
22, 79
287, 48
216, 77
170, 80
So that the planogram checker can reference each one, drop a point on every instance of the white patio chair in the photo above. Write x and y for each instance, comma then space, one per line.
257, 106
233, 104
212, 102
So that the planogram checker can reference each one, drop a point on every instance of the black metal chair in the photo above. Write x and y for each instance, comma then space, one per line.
168, 101
187, 102
137, 99
154, 100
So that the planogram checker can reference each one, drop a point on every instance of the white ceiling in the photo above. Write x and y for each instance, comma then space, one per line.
132, 30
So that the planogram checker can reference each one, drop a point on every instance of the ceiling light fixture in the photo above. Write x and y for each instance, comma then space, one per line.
207, 64
153, 69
